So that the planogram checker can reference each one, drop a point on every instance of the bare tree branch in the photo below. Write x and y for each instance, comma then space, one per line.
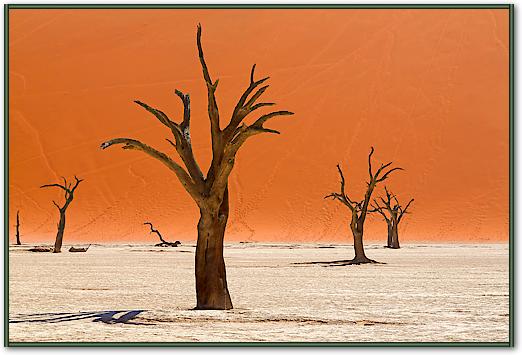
206, 74
184, 142
242, 133
181, 134
370, 163
254, 97
393, 209
343, 181
261, 104
182, 175
76, 184
213, 111
336, 196
252, 71
55, 185
379, 209
382, 167
243, 109
160, 115
185, 99
342, 196
261, 120
385, 176
171, 143
403, 212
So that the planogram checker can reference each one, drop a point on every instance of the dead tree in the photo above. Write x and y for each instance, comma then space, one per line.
392, 212
210, 192
18, 228
68, 189
359, 209
163, 243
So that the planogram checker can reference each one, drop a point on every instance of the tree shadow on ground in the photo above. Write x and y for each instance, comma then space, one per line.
339, 263
108, 317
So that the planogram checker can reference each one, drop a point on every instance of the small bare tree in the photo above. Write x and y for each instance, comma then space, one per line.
210, 192
163, 243
18, 242
392, 212
68, 189
359, 209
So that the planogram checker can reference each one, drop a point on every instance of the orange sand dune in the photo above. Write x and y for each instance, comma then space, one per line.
427, 88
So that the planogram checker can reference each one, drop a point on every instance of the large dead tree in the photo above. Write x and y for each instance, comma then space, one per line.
68, 189
392, 212
359, 209
18, 242
210, 192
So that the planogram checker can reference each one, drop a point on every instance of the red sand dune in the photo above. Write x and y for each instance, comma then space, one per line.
427, 88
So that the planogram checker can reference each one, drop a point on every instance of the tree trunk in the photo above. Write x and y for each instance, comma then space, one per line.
389, 243
18, 228
59, 235
211, 279
393, 236
360, 256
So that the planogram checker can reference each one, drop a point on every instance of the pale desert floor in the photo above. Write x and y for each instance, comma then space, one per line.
424, 293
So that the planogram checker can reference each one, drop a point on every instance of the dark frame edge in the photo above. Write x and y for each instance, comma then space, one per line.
6, 175
260, 6
511, 175
261, 344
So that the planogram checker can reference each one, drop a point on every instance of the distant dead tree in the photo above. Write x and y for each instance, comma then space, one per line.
392, 212
68, 189
163, 243
359, 209
210, 192
18, 242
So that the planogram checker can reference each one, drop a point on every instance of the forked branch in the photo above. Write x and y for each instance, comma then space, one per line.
392, 206
68, 189
181, 133
379, 209
225, 144
341, 196
404, 211
182, 175
380, 175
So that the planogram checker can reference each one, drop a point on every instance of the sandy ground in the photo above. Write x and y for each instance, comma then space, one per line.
424, 293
